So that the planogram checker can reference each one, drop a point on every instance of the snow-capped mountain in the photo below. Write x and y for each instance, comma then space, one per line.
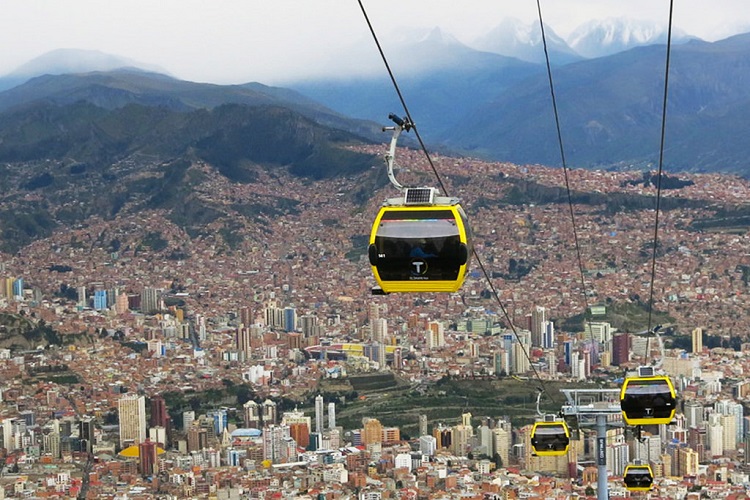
600, 38
514, 38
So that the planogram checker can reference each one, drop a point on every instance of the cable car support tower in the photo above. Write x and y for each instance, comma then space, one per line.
599, 408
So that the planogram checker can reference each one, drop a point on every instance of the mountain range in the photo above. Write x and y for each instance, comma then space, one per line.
493, 103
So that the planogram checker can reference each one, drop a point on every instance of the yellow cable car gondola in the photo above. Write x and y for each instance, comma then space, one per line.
550, 438
420, 248
420, 242
638, 477
647, 399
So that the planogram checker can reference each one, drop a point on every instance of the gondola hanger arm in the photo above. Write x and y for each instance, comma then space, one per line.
402, 124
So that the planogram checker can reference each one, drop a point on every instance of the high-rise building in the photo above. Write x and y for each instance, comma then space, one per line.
18, 289
82, 297
697, 336
600, 331
246, 317
158, 435
538, 317
243, 341
132, 415
461, 439
620, 348
52, 443
372, 431
647, 449
423, 425
300, 432
693, 414
197, 438
715, 434
427, 445
373, 312
159, 415
379, 330
100, 299
548, 335
7, 288
121, 305
147, 458
275, 445
501, 441
435, 335
188, 417
220, 421
484, 433
551, 363
269, 412
274, 315
737, 411
391, 435
688, 462
729, 423
309, 325
86, 433
319, 414
331, 415
290, 319
151, 300
251, 415
520, 354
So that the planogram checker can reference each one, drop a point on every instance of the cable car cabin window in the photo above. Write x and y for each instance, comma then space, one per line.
418, 245
648, 399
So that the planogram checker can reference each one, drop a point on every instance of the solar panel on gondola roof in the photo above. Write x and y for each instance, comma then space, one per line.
419, 196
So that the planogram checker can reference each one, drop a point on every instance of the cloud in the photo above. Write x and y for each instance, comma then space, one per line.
235, 41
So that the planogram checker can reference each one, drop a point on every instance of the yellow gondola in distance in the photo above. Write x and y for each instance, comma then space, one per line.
421, 243
638, 477
647, 399
550, 439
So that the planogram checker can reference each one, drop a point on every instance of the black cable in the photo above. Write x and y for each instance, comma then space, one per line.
401, 98
565, 172
445, 192
659, 175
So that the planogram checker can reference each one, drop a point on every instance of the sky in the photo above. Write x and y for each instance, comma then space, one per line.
278, 41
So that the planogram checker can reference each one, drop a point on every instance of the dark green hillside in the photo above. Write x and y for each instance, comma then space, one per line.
58, 160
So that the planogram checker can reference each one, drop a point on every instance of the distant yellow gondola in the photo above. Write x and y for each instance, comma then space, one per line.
638, 477
549, 439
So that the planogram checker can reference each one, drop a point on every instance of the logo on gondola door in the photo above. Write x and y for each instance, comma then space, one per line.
418, 267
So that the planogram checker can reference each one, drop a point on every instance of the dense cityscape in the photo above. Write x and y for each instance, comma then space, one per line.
126, 313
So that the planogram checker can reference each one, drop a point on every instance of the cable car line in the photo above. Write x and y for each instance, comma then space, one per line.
565, 169
661, 168
412, 125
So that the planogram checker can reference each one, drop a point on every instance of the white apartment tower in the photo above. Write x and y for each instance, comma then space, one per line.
319, 414
131, 410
